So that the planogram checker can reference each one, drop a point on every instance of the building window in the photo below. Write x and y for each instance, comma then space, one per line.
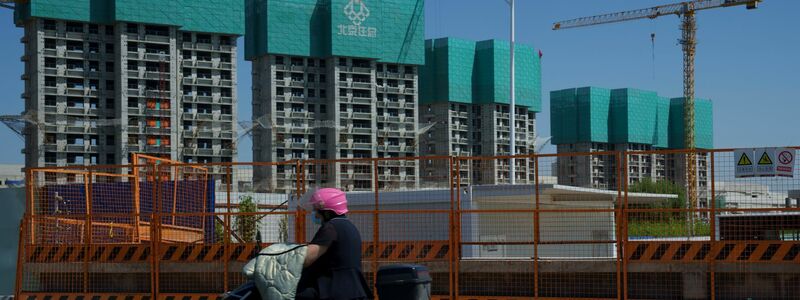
74, 27
49, 43
132, 28
49, 62
49, 25
50, 100
50, 81
203, 39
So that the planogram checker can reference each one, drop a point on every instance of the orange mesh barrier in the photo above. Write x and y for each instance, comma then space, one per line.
600, 225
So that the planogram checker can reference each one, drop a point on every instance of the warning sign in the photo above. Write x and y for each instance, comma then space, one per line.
744, 163
765, 160
784, 165
766, 165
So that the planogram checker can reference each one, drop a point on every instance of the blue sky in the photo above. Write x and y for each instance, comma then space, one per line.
748, 61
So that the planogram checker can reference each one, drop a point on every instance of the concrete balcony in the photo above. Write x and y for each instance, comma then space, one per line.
298, 114
75, 129
75, 92
204, 81
47, 90
157, 94
204, 99
156, 75
362, 115
76, 148
75, 110
158, 148
204, 64
157, 130
203, 46
461, 127
408, 91
361, 70
74, 73
51, 109
359, 130
362, 100
362, 85
157, 112
390, 89
205, 116
389, 74
205, 151
157, 39
156, 56
135, 111
74, 54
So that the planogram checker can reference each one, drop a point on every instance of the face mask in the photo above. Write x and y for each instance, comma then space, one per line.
315, 218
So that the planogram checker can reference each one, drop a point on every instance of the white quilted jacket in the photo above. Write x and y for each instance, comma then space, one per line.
276, 273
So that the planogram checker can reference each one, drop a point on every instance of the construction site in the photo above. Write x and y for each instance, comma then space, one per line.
133, 186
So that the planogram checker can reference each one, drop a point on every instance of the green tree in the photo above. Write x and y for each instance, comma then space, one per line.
658, 222
219, 231
647, 185
246, 224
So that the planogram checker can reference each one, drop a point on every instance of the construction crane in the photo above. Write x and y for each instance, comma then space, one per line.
5, 4
16, 123
686, 11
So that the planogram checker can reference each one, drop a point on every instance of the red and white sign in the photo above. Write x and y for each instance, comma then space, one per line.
784, 162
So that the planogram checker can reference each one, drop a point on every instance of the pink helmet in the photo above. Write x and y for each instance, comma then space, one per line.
329, 199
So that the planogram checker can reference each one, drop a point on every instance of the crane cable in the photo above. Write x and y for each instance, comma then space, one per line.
653, 47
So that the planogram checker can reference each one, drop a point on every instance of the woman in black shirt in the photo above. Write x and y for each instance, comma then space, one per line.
332, 268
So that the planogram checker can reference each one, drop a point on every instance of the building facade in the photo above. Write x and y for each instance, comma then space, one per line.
335, 80
591, 119
465, 107
104, 79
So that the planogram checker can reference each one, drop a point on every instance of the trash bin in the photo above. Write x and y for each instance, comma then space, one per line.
403, 282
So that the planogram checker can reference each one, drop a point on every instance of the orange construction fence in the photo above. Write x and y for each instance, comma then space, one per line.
601, 225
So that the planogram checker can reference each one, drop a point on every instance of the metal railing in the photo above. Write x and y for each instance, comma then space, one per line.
166, 228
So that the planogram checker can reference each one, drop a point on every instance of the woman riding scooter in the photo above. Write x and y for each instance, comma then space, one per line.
332, 267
